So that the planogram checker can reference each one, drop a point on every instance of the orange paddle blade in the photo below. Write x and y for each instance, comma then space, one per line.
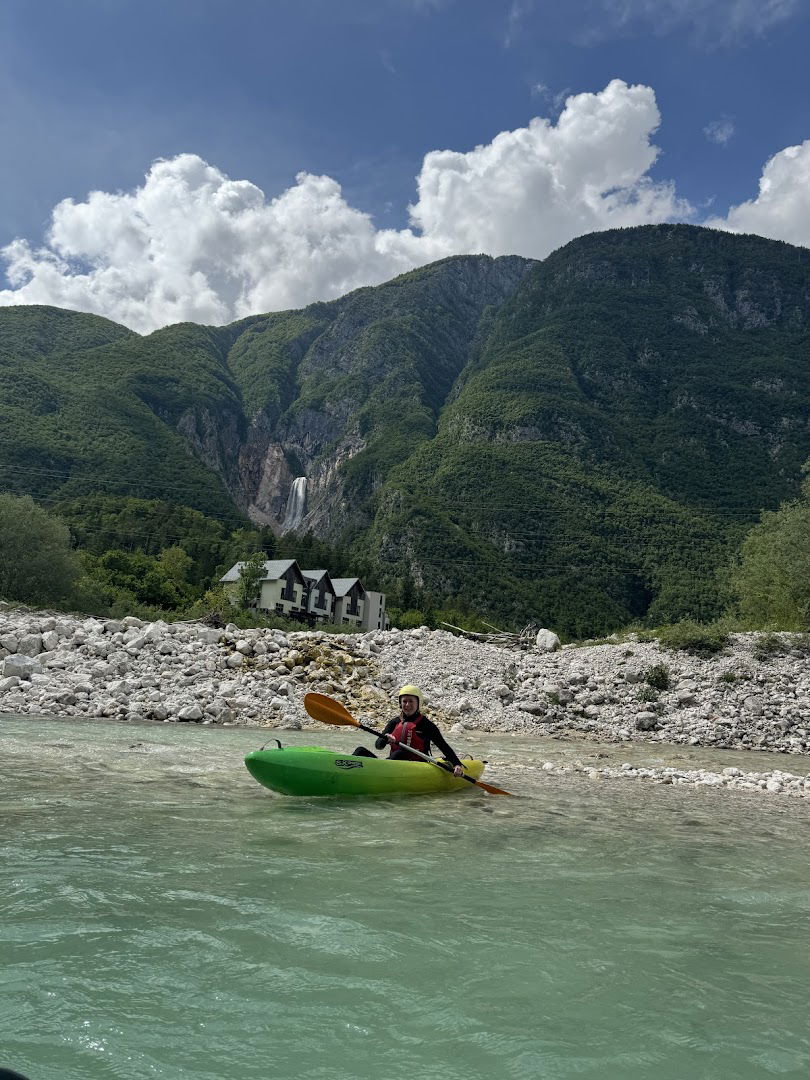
328, 711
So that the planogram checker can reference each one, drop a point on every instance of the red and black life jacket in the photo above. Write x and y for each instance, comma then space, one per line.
405, 732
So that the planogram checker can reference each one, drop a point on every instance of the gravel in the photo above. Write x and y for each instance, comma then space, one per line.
743, 698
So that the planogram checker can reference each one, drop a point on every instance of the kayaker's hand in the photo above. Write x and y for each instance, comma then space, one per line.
458, 771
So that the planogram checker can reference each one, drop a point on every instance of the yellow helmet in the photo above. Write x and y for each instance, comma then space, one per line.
412, 691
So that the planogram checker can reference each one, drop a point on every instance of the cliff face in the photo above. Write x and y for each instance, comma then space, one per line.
365, 379
580, 439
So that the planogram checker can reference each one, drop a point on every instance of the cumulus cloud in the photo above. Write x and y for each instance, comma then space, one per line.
193, 244
530, 190
781, 210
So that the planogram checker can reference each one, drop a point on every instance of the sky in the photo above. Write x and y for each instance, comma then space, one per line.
204, 160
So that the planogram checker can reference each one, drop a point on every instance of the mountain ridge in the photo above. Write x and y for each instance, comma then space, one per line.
633, 401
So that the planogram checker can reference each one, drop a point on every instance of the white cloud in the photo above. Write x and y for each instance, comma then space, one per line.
518, 10
530, 190
192, 244
781, 210
719, 131
712, 22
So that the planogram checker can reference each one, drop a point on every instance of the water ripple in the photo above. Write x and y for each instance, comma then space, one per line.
162, 916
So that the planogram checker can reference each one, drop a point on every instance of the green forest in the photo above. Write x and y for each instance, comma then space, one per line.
611, 437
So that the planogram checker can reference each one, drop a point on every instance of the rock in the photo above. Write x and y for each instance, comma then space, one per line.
9, 683
235, 660
21, 666
685, 697
30, 645
190, 712
647, 721
547, 641
536, 708
9, 642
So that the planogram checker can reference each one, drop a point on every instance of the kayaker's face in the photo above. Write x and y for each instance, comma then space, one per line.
409, 704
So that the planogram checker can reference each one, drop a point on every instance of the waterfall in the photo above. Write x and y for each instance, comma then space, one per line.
296, 501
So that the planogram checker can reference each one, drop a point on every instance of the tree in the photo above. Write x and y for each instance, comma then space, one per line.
251, 573
37, 563
176, 565
771, 579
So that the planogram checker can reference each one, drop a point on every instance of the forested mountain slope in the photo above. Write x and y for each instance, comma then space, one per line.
578, 441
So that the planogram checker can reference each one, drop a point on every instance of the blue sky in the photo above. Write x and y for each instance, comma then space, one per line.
95, 91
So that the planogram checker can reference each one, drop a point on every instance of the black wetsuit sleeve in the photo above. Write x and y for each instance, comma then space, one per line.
381, 743
435, 736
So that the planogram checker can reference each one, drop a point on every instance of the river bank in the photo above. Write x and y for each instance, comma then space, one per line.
746, 697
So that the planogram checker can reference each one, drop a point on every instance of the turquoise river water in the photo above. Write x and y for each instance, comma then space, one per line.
161, 915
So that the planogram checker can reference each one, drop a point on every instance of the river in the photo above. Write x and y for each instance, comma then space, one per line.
161, 915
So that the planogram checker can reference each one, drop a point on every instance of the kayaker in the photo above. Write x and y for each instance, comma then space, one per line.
414, 729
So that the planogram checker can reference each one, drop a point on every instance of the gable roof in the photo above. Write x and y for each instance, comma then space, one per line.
317, 576
344, 585
273, 570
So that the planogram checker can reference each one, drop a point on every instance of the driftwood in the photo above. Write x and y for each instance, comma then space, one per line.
212, 618
522, 640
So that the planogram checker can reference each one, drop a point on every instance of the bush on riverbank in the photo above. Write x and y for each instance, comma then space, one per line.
692, 637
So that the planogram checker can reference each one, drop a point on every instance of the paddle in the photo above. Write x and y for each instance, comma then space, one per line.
328, 711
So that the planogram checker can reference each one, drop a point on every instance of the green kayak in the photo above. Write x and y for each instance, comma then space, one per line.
312, 770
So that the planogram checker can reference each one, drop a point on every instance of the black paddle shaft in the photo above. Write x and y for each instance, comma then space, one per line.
425, 757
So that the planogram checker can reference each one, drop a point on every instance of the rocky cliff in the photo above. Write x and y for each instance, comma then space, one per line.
580, 441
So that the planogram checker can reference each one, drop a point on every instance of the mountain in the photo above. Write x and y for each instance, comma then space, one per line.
579, 441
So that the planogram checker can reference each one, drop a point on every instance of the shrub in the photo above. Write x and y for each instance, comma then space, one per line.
657, 677
768, 646
647, 693
692, 637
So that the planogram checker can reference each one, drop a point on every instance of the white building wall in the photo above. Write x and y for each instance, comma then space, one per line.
342, 614
271, 596
374, 617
